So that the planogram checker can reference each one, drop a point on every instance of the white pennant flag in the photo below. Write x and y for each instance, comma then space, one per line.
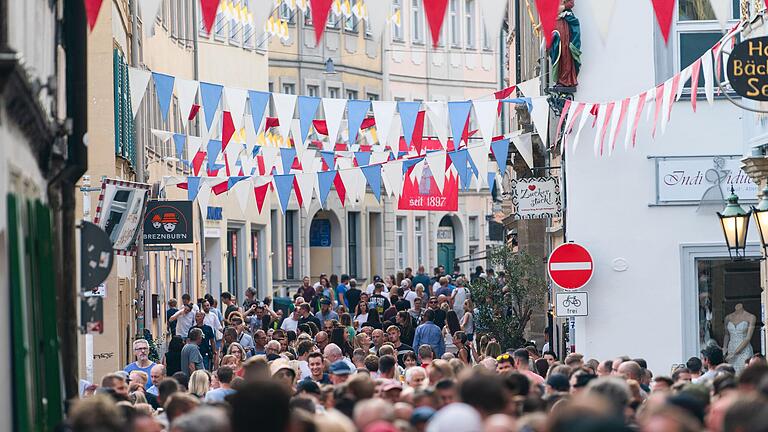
383, 112
138, 79
193, 146
378, 11
334, 114
479, 155
631, 114
706, 68
379, 158
306, 184
438, 116
260, 13
285, 106
666, 104
417, 170
270, 155
233, 154
570, 119
530, 88
395, 132
540, 116
243, 190
486, 112
602, 12
436, 161
236, 99
614, 126
685, 75
493, 13
524, 145
171, 181
600, 127
203, 196
392, 175
186, 90
308, 161
722, 10
352, 182
584, 117
149, 10
162, 135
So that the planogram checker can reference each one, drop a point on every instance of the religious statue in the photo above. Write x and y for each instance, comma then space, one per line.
565, 52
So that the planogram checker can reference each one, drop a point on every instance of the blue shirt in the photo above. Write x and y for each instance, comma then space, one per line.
132, 367
430, 334
340, 290
218, 395
331, 315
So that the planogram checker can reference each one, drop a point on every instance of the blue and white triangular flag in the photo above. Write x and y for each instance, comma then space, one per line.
409, 111
363, 158
491, 181
287, 155
328, 157
193, 187
372, 173
459, 160
458, 113
164, 87
324, 182
180, 140
358, 110
307, 109
213, 149
500, 150
283, 185
259, 102
211, 96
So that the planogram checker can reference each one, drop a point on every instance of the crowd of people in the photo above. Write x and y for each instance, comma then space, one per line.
401, 354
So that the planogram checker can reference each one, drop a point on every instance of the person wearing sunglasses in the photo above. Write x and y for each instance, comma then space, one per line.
142, 363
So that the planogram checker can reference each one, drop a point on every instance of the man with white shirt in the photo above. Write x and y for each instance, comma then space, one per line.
212, 320
303, 350
409, 294
185, 317
291, 322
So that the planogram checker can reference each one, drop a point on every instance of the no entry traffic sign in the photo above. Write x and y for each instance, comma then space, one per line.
570, 266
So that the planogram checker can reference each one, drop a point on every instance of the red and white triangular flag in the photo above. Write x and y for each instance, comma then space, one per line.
548, 10
208, 9
665, 10
435, 12
320, 10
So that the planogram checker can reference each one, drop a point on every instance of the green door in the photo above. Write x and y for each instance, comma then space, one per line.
446, 252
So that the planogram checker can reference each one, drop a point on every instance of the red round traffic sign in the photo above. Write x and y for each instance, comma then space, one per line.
570, 266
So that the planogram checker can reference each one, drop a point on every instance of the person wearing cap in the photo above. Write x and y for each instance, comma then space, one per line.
390, 391
371, 286
408, 293
284, 373
421, 416
339, 372
326, 314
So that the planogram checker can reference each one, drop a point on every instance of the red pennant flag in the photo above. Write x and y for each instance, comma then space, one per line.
298, 192
664, 9
340, 189
197, 161
548, 10
636, 121
608, 112
418, 132
221, 187
261, 194
503, 94
695, 69
227, 129
209, 8
622, 116
320, 127
563, 115
675, 84
271, 122
92, 8
435, 11
659, 100
193, 112
320, 10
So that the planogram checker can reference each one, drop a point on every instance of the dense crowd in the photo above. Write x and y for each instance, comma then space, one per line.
401, 354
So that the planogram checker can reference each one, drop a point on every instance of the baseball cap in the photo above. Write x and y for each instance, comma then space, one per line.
340, 367
377, 278
308, 386
457, 417
422, 414
325, 301
391, 385
278, 365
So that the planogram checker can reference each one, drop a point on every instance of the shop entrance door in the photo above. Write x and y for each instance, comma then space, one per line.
446, 252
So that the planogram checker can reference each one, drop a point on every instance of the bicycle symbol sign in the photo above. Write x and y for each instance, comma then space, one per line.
572, 303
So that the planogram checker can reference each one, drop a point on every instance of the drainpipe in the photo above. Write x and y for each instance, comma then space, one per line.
196, 63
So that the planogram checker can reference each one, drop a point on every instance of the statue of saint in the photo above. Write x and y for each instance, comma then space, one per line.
565, 52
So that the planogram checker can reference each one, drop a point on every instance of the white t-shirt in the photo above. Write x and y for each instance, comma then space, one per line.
185, 322
410, 296
459, 296
369, 289
362, 318
289, 323
211, 319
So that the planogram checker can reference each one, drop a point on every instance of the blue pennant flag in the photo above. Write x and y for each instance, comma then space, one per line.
358, 109
214, 149
328, 157
472, 166
211, 96
164, 87
287, 155
193, 187
399, 155
500, 150
235, 180
408, 113
363, 158
325, 181
259, 101
307, 110
284, 185
256, 150
373, 175
179, 140
519, 101
408, 163
491, 181
465, 182
458, 112
459, 159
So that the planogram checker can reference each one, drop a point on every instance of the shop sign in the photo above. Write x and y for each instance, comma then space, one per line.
320, 233
701, 180
212, 232
571, 304
423, 194
536, 198
748, 68
168, 222
444, 234
120, 211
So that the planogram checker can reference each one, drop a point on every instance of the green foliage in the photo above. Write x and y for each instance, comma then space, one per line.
504, 307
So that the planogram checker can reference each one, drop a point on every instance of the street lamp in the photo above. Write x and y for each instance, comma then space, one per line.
735, 222
176, 268
761, 218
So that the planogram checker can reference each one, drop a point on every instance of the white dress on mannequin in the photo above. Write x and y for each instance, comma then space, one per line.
738, 333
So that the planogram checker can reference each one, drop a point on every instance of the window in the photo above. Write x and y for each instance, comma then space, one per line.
487, 39
313, 91
397, 28
249, 40
174, 19
372, 97
455, 24
219, 28
286, 14
417, 22
473, 228
254, 257
353, 219
419, 237
351, 94
469, 17
290, 220
350, 24
334, 21
232, 267
401, 242
697, 30
308, 17
234, 23
333, 92
289, 89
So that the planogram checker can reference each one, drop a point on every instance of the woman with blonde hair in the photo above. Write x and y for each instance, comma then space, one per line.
492, 350
199, 383
238, 352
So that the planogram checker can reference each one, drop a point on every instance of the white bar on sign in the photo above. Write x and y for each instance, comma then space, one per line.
571, 266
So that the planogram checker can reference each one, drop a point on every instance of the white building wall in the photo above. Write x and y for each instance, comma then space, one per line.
638, 312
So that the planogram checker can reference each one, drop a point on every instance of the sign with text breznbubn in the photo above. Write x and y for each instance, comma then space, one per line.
168, 222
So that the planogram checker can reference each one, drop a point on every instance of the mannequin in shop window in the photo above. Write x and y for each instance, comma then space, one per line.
739, 325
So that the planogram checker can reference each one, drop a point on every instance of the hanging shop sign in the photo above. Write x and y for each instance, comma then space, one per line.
695, 180
96, 256
168, 222
423, 194
119, 213
537, 198
748, 68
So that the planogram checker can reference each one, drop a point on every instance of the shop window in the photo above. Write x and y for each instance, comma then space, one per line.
729, 302
401, 242
418, 230
353, 219
290, 221
254, 257
417, 22
233, 271
397, 28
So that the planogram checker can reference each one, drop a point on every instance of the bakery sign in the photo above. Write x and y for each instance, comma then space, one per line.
537, 198
747, 68
168, 222
697, 180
